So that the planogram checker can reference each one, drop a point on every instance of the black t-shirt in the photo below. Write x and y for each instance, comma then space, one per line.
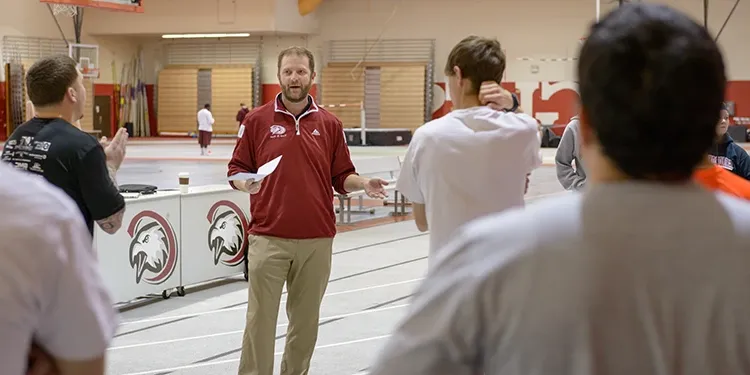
70, 159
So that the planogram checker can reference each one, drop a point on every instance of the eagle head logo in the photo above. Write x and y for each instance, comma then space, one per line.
153, 248
227, 233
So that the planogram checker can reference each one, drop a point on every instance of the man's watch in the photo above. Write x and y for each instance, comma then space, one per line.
515, 104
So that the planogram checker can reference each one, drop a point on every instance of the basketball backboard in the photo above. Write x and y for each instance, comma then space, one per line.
133, 6
88, 58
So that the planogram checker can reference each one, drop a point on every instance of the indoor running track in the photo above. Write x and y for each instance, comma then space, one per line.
375, 271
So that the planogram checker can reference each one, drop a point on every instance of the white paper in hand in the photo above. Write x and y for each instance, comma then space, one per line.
263, 172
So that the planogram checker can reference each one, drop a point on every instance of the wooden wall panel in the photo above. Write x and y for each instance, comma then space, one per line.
402, 96
177, 97
229, 88
341, 85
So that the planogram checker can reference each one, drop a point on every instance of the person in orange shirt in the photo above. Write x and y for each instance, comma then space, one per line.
714, 177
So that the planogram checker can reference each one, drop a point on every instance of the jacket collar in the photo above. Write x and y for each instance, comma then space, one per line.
313, 107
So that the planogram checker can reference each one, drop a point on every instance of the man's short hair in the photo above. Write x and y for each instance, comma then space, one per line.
207, 106
297, 51
652, 85
480, 59
48, 80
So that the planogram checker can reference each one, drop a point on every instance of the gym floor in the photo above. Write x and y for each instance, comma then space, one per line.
375, 271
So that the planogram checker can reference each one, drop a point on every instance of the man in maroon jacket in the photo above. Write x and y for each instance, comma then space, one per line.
242, 113
293, 221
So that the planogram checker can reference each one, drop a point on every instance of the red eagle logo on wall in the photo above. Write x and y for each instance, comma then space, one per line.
227, 233
153, 248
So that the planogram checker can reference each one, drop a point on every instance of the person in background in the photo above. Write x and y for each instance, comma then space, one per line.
570, 171
726, 153
242, 113
475, 160
205, 129
714, 177
51, 145
293, 222
643, 272
53, 298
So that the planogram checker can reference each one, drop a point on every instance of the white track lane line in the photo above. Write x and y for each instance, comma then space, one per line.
152, 343
540, 196
162, 318
207, 364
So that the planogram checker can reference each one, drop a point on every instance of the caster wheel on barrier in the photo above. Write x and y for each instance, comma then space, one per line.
165, 294
372, 211
181, 291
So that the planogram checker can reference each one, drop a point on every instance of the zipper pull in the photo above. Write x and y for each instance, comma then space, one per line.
296, 125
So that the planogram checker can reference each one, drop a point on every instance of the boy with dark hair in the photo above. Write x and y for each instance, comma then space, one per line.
475, 160
644, 272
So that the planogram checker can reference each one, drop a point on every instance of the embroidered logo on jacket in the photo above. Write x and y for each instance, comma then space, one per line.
278, 131
315, 132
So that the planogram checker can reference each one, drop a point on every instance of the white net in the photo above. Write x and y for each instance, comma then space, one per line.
64, 10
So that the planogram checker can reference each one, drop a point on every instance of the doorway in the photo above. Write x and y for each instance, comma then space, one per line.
103, 115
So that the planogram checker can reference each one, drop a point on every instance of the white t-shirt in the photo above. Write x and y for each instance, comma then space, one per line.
205, 120
468, 164
624, 279
51, 291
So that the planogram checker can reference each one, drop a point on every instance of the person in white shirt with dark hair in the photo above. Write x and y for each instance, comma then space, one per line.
205, 128
475, 160
644, 272
56, 317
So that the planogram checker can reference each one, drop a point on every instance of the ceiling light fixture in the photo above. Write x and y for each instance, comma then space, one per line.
197, 36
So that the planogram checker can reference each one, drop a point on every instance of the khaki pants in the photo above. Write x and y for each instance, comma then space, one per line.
305, 265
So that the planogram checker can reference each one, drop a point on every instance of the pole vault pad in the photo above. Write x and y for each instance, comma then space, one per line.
131, 6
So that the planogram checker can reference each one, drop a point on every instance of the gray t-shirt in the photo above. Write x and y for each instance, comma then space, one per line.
568, 161
628, 278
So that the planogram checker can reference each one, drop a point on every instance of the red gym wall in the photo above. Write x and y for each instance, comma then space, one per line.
100, 89
562, 102
107, 89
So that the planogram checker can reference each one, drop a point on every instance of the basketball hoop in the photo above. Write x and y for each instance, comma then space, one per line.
90, 72
64, 10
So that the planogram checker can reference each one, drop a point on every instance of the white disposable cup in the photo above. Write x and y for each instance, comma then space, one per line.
184, 178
